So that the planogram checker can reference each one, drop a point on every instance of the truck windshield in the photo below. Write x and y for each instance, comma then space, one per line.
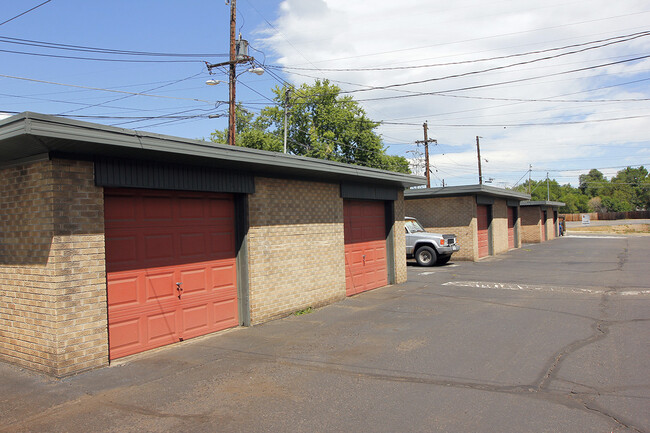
413, 226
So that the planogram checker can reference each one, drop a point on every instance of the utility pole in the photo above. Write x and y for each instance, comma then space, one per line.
530, 170
478, 151
232, 77
548, 191
286, 106
238, 54
426, 142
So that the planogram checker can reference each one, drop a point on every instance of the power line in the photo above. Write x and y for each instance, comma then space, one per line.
392, 68
83, 48
481, 86
107, 90
27, 11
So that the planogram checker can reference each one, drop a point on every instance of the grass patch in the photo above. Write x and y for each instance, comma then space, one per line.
617, 229
303, 311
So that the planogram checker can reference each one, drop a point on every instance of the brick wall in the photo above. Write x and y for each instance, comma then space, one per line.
499, 226
399, 240
295, 245
53, 302
444, 215
531, 223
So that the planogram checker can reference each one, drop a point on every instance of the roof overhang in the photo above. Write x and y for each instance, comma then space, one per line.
542, 203
27, 135
464, 190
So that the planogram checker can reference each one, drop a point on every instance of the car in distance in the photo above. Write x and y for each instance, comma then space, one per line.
428, 248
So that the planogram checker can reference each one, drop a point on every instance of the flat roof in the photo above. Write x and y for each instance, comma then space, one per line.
27, 135
455, 191
542, 203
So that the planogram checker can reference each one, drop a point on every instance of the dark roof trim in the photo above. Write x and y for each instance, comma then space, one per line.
463, 190
27, 134
542, 203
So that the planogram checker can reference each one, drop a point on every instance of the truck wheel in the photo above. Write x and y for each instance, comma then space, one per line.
426, 256
443, 260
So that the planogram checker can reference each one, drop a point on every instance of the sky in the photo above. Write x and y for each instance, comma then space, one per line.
557, 87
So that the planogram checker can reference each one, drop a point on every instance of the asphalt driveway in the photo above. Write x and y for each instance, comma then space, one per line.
552, 337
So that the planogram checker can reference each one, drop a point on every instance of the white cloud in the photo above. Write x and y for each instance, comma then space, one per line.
323, 34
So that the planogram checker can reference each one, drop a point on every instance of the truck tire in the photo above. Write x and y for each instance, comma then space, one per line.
443, 260
426, 256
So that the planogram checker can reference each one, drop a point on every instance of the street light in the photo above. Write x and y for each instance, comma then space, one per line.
212, 82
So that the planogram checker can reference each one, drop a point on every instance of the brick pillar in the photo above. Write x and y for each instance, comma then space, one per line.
53, 309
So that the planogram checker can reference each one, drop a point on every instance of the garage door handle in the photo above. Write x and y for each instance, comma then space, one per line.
364, 259
179, 289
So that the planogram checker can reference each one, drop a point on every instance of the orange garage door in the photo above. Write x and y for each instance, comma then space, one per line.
511, 227
365, 245
482, 229
170, 267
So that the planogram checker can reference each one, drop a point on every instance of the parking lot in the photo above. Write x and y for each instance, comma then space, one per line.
552, 337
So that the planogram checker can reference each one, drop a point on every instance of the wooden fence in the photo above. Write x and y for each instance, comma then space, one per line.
639, 214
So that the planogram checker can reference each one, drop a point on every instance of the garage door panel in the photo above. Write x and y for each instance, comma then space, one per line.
158, 209
195, 319
194, 281
482, 230
224, 276
221, 244
161, 328
158, 249
122, 291
125, 334
365, 245
155, 240
159, 286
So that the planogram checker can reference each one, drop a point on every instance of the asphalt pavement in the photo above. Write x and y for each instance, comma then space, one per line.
551, 337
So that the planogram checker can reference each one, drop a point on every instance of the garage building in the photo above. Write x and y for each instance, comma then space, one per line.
485, 219
539, 220
114, 241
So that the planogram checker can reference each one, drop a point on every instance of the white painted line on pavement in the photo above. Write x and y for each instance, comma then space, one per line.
543, 288
426, 273
593, 237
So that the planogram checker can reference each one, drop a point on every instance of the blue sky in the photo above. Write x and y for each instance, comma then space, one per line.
513, 59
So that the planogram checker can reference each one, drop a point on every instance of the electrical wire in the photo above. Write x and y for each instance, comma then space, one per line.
463, 62
23, 13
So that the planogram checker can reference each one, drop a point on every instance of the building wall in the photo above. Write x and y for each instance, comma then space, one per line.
444, 215
53, 302
295, 246
399, 240
531, 224
499, 226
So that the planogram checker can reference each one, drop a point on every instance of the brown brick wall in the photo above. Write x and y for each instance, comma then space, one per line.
295, 244
531, 223
499, 226
400, 240
444, 215
53, 306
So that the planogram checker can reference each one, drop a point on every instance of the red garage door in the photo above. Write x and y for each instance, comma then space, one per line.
365, 246
170, 267
511, 227
482, 228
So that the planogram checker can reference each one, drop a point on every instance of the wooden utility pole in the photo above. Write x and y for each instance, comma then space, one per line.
231, 82
286, 107
426, 142
478, 151
530, 170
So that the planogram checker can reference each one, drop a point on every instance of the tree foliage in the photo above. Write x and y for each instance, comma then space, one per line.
629, 190
321, 124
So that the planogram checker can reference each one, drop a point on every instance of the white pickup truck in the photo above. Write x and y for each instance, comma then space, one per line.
428, 248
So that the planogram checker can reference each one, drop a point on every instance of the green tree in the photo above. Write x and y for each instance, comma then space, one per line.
632, 185
592, 183
321, 124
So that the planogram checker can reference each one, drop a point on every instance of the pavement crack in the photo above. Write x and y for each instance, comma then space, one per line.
201, 417
600, 331
593, 407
